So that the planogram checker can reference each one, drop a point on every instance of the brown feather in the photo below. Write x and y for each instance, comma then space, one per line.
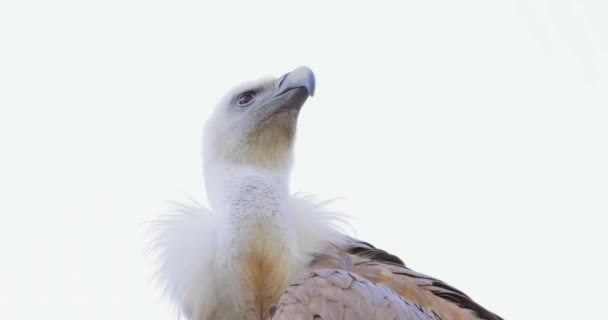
265, 277
389, 271
330, 294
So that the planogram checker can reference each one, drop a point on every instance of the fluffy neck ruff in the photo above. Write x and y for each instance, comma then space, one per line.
233, 263
208, 266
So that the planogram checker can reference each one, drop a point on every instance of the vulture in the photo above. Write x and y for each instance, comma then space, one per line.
261, 253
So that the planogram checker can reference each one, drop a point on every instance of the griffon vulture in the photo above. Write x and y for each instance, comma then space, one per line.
260, 253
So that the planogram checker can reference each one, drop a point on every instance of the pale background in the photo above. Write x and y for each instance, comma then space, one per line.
467, 137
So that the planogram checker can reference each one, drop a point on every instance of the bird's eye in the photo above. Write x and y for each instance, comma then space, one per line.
245, 99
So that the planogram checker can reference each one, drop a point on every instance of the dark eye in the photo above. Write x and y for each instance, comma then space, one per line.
245, 98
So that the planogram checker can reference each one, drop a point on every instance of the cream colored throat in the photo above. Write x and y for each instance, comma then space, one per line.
261, 243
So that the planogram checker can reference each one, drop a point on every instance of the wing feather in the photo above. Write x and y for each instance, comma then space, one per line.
331, 294
384, 269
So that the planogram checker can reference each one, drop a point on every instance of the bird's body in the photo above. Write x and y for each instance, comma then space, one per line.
262, 253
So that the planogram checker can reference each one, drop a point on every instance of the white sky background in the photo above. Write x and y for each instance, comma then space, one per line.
468, 137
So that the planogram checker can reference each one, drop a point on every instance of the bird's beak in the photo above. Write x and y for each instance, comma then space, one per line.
290, 93
302, 77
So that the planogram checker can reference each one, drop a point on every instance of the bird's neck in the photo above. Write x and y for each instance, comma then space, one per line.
240, 191
256, 241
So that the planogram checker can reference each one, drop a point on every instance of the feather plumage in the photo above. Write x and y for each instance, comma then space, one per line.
259, 252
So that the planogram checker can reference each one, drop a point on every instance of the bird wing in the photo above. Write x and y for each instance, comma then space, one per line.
359, 281
332, 294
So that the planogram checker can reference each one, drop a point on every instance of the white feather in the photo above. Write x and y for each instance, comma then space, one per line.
314, 224
185, 243
182, 241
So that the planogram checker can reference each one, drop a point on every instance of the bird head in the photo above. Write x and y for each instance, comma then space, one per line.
254, 124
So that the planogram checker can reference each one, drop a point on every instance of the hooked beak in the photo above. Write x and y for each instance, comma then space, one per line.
291, 91
302, 77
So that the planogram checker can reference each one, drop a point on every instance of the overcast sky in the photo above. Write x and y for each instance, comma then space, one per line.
468, 137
